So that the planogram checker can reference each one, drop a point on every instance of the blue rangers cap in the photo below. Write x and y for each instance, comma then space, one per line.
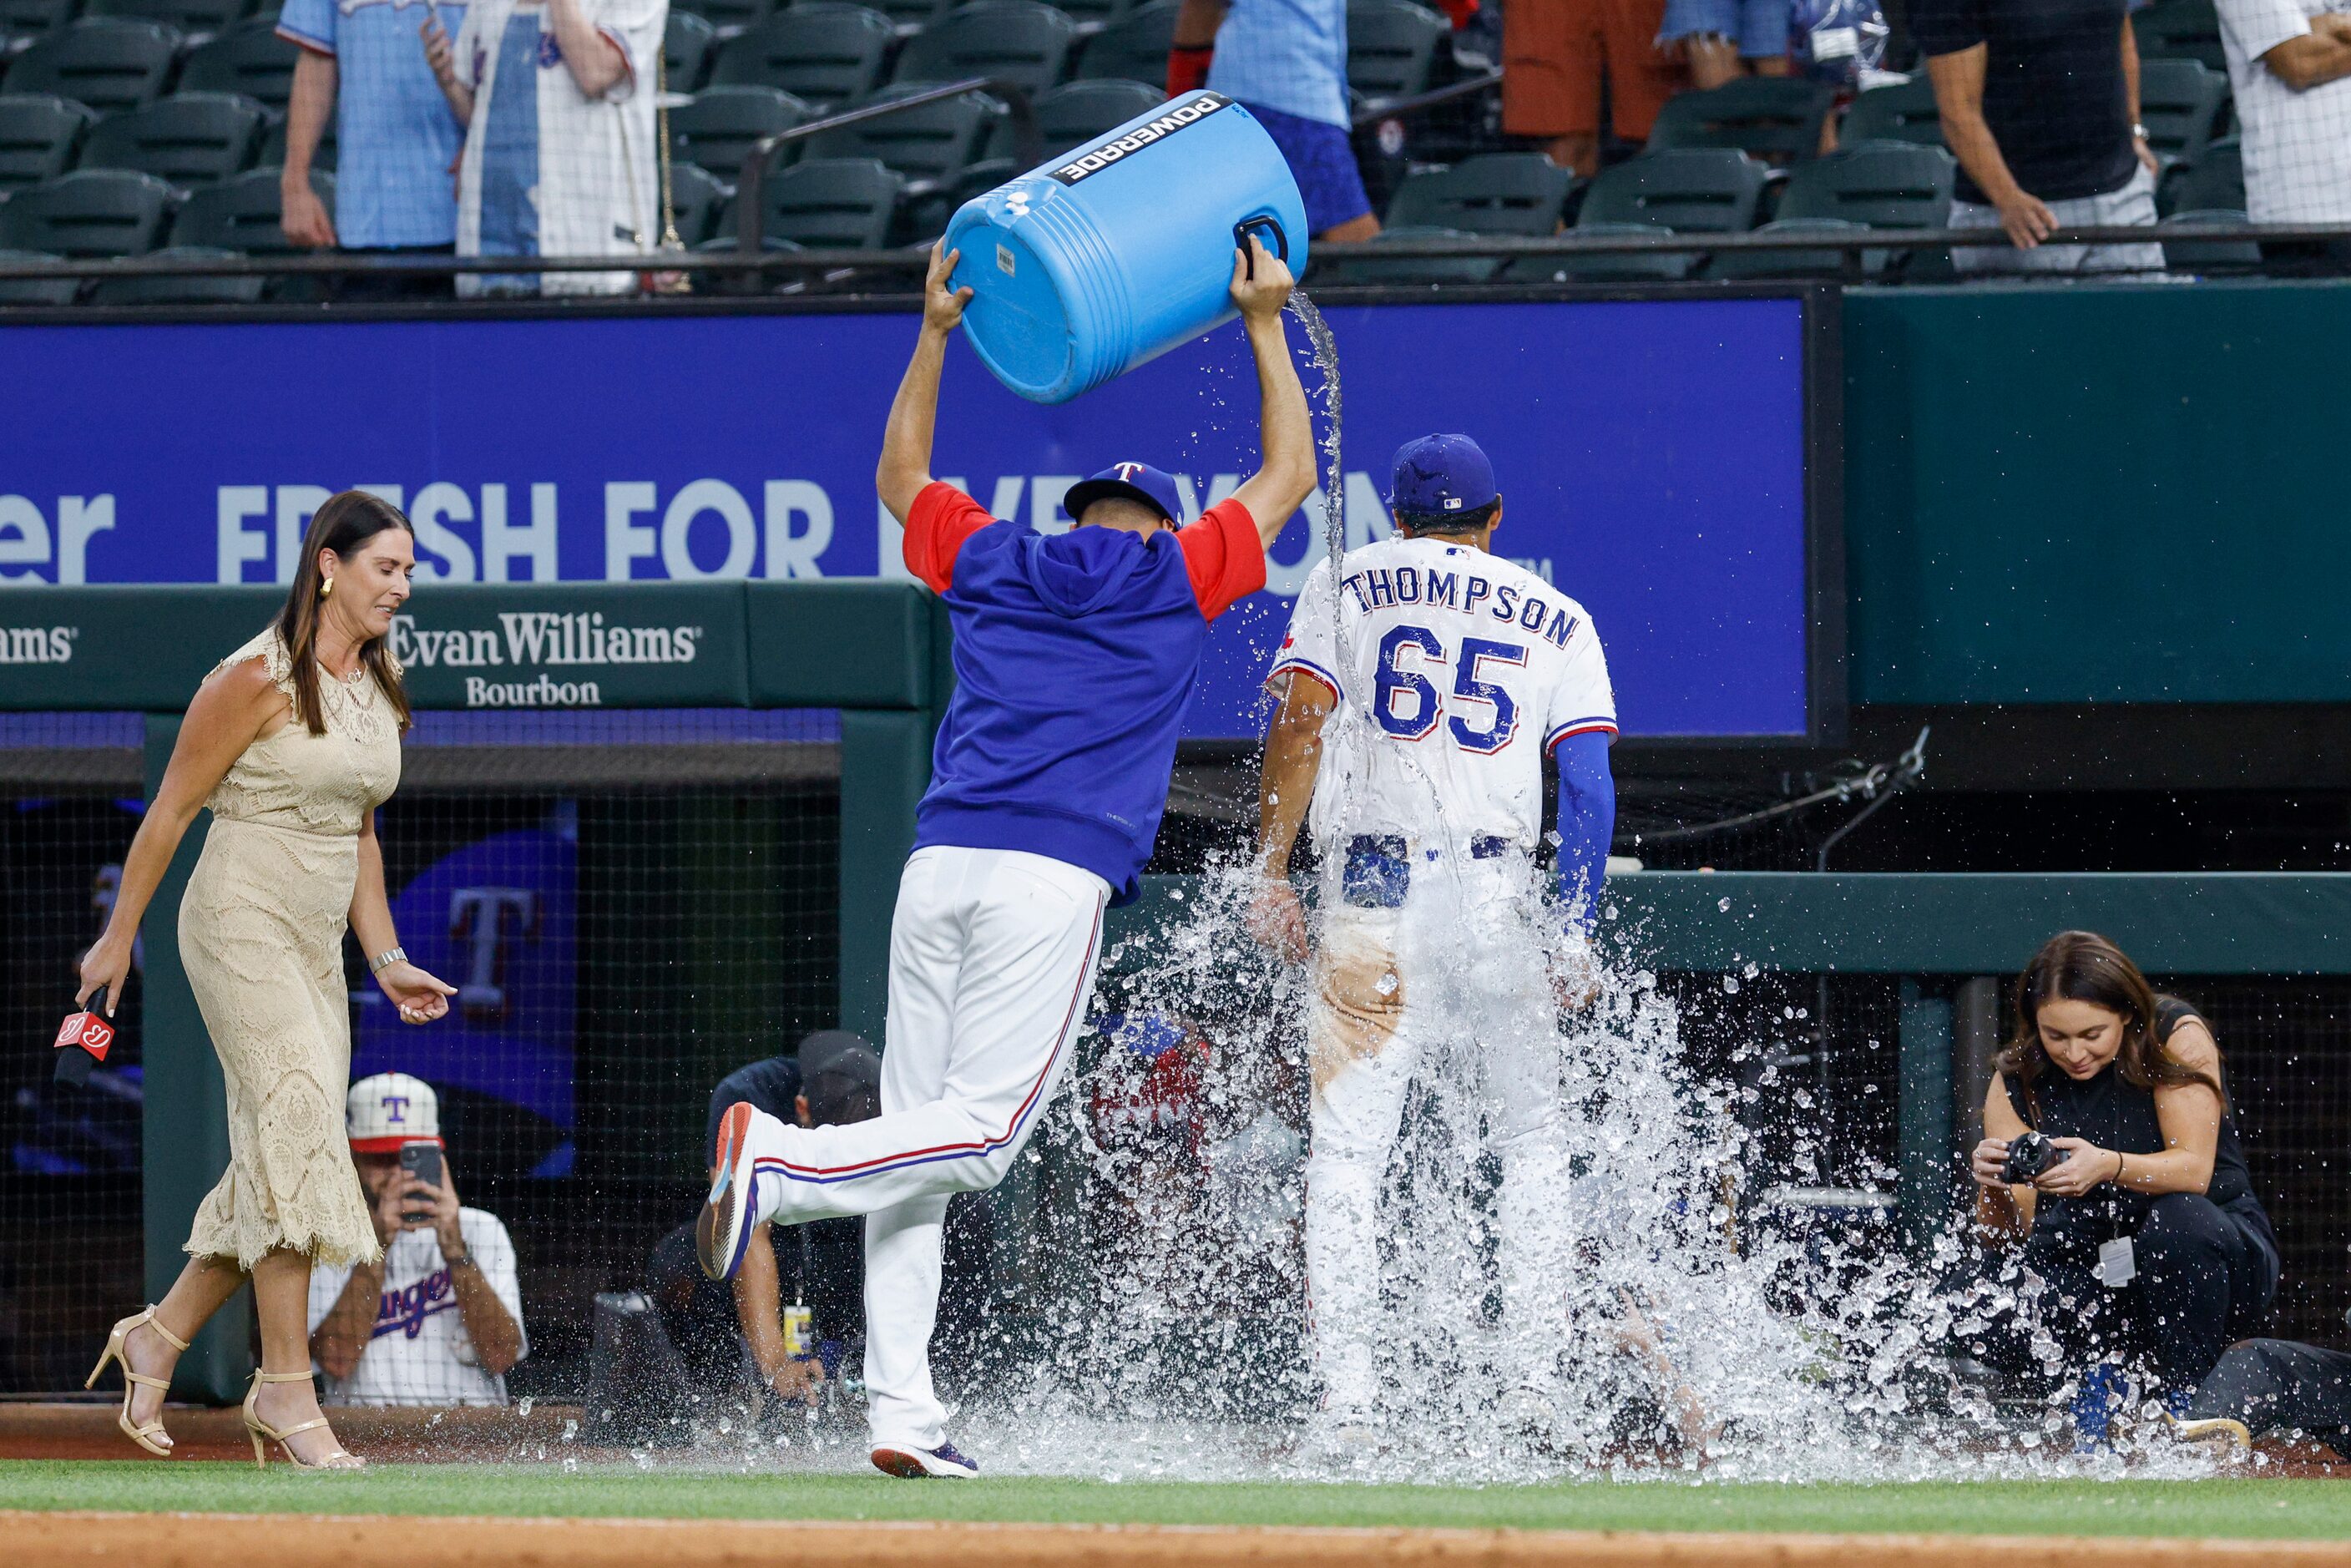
1440, 475
1136, 482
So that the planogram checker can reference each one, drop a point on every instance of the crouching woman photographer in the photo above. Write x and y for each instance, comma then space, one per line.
2110, 1148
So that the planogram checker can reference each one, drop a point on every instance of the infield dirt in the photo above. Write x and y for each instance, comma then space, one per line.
214, 1541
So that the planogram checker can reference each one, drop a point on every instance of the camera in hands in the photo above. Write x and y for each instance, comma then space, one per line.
2028, 1153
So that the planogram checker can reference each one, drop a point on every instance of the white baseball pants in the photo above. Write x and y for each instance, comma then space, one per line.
1374, 1015
992, 957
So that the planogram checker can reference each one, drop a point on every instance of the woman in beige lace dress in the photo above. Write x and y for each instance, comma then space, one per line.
292, 741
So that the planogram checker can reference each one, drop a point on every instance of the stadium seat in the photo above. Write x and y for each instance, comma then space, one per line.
1133, 48
111, 63
2180, 30
2180, 102
823, 53
36, 291
251, 59
1411, 269
322, 156
88, 212
1708, 190
30, 19
1022, 42
1776, 119
720, 126
188, 139
2214, 182
728, 17
191, 290
1665, 268
195, 19
928, 143
2196, 254
1903, 112
688, 45
1076, 114
38, 137
241, 215
695, 195
1493, 193
910, 16
1391, 48
1885, 184
825, 203
1094, 16
1828, 265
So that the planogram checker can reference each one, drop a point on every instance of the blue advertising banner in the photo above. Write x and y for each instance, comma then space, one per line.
1651, 455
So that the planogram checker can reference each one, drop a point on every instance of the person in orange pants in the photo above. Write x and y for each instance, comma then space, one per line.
1554, 56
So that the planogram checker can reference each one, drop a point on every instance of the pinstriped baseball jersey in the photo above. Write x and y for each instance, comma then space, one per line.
1464, 669
419, 1352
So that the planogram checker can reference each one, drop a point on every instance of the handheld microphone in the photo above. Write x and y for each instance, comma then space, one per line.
82, 1041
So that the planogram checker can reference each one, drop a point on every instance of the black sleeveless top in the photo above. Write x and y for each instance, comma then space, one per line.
2113, 1113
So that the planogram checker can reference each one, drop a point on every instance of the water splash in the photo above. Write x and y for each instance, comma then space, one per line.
1325, 351
1694, 1339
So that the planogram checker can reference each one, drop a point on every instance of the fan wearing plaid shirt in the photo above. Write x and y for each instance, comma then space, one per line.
2290, 69
358, 60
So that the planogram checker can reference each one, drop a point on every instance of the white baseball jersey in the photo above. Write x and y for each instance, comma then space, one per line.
420, 1353
1461, 669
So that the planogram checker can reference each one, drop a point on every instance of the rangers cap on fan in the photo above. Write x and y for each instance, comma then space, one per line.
1437, 474
1136, 482
390, 1108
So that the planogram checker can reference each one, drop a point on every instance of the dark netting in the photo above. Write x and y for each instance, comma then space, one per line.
633, 903
69, 1198
1816, 1065
2283, 1042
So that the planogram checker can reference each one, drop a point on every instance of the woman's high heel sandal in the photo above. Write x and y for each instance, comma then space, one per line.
262, 1433
144, 1436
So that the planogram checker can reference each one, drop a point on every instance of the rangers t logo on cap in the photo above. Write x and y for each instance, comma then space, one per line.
390, 1108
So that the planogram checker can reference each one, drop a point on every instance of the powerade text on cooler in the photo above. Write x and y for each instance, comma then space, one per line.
1086, 266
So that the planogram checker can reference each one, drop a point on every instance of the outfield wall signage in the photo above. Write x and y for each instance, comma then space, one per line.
1652, 455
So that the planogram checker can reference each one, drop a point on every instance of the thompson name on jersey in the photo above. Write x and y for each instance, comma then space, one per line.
1453, 670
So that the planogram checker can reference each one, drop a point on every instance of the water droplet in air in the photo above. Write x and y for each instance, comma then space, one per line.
1723, 904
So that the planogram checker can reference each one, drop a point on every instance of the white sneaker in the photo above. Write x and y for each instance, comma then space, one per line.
1524, 1415
1341, 1439
2226, 1440
910, 1463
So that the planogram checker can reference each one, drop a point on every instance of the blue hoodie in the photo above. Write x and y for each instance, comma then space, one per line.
1074, 655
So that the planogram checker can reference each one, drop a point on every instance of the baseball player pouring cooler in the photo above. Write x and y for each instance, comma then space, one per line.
1452, 672
1074, 654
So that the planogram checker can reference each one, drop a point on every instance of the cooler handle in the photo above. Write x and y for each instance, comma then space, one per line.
1243, 229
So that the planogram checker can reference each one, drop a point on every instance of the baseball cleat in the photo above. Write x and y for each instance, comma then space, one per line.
2224, 1439
732, 1211
910, 1463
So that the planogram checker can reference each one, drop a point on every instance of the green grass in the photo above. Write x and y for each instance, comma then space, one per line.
2243, 1508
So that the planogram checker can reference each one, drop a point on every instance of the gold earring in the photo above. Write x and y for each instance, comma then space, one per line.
325, 588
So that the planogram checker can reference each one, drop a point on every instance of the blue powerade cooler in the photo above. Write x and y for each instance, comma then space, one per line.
1085, 268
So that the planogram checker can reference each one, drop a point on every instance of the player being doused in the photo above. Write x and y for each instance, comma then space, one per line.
1418, 697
